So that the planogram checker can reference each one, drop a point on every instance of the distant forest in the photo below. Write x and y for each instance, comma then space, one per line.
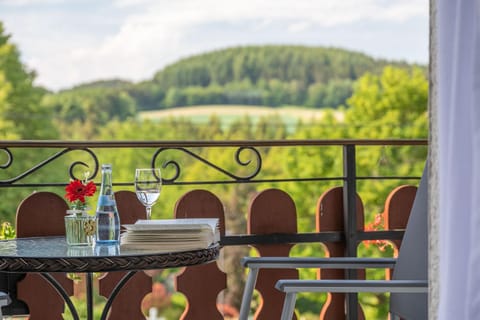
272, 76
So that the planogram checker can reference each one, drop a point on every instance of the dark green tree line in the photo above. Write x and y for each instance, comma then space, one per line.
273, 76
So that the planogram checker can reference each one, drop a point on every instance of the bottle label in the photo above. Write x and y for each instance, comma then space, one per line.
104, 200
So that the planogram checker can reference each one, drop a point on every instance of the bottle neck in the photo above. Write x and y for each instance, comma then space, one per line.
106, 187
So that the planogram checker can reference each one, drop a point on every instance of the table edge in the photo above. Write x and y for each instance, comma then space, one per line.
143, 261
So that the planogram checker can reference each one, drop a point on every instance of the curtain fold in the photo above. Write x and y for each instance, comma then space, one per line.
473, 276
459, 159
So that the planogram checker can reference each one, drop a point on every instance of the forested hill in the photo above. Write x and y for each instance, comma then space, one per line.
304, 65
274, 76
267, 75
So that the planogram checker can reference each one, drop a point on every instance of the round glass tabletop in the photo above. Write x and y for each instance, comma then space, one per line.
53, 254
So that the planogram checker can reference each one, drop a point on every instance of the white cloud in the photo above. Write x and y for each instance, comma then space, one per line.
298, 27
325, 12
145, 35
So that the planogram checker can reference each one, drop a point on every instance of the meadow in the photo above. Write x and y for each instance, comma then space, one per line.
228, 114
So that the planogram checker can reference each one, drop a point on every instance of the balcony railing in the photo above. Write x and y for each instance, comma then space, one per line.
25, 161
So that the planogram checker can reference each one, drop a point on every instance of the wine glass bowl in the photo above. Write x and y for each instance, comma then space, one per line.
148, 183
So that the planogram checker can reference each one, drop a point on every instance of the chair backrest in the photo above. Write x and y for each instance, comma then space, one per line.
201, 304
412, 263
42, 214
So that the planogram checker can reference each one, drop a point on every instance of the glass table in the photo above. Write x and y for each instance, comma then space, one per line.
53, 254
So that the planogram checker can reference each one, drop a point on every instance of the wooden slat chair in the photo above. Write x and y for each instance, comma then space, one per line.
31, 222
201, 302
329, 217
271, 211
34, 222
409, 286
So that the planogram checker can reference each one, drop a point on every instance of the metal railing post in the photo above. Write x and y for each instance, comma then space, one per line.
350, 222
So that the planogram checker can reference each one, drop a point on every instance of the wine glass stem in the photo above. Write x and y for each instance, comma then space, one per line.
149, 212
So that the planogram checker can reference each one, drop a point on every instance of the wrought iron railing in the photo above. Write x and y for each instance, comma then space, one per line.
248, 155
190, 149
348, 179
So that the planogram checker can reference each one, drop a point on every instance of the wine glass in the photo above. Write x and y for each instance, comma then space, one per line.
148, 183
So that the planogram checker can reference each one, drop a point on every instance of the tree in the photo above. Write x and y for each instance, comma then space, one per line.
316, 95
21, 117
19, 98
390, 105
7, 127
337, 92
89, 108
147, 95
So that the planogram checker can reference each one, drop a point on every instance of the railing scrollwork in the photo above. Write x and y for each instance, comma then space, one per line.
257, 159
91, 175
48, 160
9, 159
246, 157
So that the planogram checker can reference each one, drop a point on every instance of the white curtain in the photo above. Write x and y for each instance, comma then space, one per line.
458, 24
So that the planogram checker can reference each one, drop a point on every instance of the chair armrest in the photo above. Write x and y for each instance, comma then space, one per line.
330, 263
256, 263
292, 287
396, 286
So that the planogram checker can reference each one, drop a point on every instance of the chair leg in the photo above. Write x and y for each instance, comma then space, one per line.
394, 317
4, 301
289, 306
248, 293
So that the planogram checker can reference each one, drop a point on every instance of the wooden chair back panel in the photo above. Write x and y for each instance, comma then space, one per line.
201, 302
272, 211
42, 214
329, 217
397, 210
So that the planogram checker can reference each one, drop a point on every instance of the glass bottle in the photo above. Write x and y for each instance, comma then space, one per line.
108, 220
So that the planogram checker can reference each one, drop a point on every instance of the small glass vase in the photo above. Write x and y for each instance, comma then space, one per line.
79, 228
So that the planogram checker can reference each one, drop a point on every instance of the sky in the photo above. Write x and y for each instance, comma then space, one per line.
69, 42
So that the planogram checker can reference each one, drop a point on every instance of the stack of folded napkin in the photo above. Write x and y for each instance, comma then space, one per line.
170, 234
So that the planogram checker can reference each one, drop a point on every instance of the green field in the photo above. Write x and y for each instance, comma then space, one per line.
230, 113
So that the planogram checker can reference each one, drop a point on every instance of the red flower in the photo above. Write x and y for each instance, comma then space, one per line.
375, 226
77, 190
